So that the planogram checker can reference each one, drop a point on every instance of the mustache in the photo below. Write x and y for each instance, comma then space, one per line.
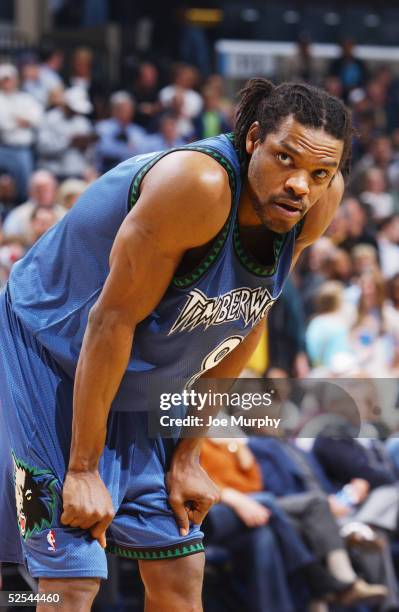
297, 202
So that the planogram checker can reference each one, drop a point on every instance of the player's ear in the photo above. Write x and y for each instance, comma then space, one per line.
252, 137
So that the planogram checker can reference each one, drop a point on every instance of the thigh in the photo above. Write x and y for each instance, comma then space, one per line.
298, 503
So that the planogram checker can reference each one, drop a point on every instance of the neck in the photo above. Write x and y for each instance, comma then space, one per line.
246, 213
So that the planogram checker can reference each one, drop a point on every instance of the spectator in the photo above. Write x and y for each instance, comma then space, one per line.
243, 504
82, 69
8, 195
20, 115
145, 92
376, 195
388, 245
166, 137
43, 187
327, 334
217, 84
31, 81
380, 155
211, 121
181, 97
69, 191
311, 268
82, 76
375, 334
338, 266
119, 137
302, 67
393, 291
51, 66
333, 85
66, 135
42, 218
364, 258
358, 229
305, 494
286, 323
11, 250
350, 70
377, 94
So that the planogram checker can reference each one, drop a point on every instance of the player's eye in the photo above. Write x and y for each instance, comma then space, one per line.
321, 174
284, 158
28, 494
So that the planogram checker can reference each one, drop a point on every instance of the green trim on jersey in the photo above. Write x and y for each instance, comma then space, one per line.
250, 263
151, 554
181, 282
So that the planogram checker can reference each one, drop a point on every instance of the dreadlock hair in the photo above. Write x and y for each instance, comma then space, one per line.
269, 104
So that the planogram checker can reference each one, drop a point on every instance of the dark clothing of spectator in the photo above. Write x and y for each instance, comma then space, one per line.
224, 527
343, 457
367, 237
351, 71
286, 324
282, 473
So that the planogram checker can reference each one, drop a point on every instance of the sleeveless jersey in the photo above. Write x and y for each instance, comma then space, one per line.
203, 315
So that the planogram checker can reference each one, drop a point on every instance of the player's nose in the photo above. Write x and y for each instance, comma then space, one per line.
298, 183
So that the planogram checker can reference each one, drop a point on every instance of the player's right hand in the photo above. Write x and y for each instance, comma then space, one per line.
87, 503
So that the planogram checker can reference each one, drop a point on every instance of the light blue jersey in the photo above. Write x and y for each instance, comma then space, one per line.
202, 316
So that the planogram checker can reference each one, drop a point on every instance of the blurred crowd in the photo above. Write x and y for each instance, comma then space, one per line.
61, 127
318, 519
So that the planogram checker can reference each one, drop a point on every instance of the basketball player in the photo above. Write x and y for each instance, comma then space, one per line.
164, 265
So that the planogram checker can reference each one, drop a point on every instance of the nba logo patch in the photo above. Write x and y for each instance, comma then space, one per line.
51, 540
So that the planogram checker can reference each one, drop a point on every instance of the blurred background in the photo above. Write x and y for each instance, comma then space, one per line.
308, 518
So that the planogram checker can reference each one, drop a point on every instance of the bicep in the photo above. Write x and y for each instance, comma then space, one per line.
140, 272
158, 231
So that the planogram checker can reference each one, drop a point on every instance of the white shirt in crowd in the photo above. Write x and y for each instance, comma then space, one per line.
15, 107
389, 257
54, 147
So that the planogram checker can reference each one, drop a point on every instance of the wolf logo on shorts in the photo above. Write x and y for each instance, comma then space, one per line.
36, 498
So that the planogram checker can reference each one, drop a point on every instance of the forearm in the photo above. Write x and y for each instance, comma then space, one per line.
103, 360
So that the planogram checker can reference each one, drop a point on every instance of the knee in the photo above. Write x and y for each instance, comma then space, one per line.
166, 590
318, 498
75, 593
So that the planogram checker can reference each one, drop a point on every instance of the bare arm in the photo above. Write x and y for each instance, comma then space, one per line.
153, 237
187, 480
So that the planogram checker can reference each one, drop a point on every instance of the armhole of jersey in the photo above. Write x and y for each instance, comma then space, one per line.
181, 282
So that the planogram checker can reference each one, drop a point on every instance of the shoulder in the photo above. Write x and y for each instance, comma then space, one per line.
188, 193
190, 172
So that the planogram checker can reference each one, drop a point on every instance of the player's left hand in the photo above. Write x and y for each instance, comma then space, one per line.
191, 492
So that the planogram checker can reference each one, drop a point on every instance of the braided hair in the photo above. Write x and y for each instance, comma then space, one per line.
269, 104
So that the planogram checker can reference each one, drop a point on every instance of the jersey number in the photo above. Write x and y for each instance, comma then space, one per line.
216, 356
